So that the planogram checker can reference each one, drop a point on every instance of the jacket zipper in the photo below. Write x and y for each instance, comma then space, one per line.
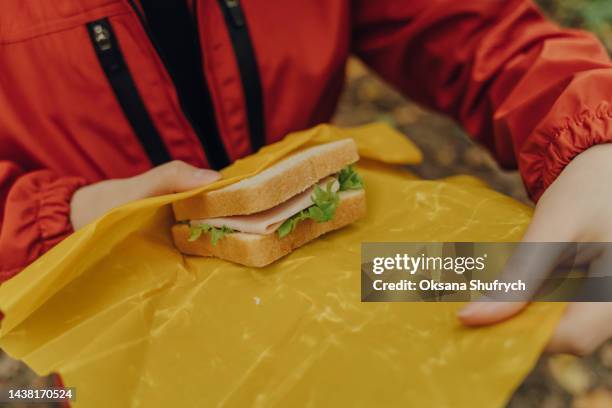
114, 66
249, 69
209, 137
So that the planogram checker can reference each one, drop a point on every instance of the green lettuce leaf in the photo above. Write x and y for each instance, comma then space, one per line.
325, 201
325, 204
349, 179
290, 224
196, 231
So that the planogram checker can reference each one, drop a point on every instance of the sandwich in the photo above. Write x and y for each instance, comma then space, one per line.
260, 219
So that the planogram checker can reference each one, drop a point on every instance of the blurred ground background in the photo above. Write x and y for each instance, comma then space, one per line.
557, 381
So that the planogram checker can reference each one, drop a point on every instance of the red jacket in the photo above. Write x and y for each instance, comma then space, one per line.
85, 96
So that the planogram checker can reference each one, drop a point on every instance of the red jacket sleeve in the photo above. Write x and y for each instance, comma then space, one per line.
34, 214
536, 95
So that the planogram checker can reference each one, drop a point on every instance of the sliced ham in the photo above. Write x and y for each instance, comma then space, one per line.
268, 221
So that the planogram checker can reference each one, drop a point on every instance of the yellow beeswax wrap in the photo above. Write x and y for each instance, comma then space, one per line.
122, 316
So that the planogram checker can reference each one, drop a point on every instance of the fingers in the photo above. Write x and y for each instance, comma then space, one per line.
583, 328
485, 313
172, 177
92, 201
531, 263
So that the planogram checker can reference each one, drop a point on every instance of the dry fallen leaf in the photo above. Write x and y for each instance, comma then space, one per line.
606, 355
570, 373
446, 155
355, 69
407, 114
598, 398
369, 91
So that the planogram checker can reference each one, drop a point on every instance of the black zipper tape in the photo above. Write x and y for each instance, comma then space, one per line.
194, 96
119, 76
249, 71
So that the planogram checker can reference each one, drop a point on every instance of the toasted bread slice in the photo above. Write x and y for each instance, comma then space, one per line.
272, 186
261, 250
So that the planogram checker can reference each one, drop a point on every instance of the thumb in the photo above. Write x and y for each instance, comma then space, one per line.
174, 177
485, 313
530, 262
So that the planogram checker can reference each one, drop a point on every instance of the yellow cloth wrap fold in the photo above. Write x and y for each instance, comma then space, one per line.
129, 322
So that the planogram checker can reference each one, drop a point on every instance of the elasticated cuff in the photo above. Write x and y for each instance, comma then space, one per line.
544, 158
54, 210
37, 217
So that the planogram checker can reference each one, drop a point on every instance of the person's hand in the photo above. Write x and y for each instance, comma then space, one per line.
92, 201
577, 207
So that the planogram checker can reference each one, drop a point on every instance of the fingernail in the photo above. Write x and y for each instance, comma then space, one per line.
206, 175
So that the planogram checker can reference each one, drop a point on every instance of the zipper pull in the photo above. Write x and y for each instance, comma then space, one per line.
233, 6
105, 45
102, 37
